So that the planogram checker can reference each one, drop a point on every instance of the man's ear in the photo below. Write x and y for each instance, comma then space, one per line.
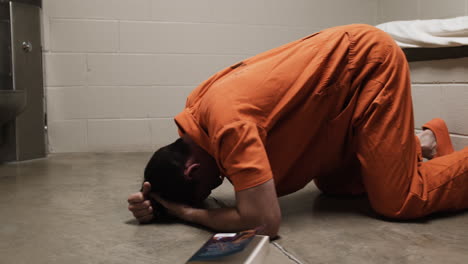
189, 170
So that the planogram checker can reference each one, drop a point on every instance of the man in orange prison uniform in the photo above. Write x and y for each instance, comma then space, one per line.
334, 107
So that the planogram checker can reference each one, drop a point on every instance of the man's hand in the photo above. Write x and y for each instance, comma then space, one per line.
140, 205
181, 211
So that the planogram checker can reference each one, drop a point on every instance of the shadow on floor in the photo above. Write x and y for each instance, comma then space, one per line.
357, 205
168, 221
360, 205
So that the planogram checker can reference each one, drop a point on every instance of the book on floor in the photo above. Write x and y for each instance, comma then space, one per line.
243, 247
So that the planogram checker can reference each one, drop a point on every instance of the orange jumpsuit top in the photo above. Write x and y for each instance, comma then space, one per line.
267, 116
334, 107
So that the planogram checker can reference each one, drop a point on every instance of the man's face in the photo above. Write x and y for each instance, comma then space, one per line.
207, 177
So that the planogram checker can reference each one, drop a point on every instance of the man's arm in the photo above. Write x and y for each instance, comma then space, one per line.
255, 207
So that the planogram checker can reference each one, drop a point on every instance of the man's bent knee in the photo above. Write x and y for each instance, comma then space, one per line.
412, 208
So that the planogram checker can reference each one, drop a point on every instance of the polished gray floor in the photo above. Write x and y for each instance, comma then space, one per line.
71, 208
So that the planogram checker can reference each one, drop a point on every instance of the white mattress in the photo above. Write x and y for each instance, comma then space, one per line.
432, 33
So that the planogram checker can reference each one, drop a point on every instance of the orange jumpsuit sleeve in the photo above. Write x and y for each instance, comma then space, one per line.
241, 155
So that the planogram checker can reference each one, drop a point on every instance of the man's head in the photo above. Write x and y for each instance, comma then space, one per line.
182, 172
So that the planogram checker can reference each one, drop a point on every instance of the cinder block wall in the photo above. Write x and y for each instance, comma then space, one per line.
117, 71
440, 88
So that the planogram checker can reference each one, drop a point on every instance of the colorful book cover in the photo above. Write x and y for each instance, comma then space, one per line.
223, 244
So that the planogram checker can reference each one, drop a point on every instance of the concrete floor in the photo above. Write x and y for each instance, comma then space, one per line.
72, 209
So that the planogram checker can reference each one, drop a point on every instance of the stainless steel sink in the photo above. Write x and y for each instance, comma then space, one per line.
12, 103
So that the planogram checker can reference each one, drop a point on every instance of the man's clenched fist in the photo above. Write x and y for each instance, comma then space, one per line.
140, 205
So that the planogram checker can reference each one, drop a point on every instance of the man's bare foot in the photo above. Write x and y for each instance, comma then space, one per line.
428, 143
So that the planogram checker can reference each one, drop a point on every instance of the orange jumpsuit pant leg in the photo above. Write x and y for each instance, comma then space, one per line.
398, 183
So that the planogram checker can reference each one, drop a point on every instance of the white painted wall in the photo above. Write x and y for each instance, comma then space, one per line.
117, 71
391, 10
440, 88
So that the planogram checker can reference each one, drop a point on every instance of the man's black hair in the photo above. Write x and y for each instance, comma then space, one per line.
165, 173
